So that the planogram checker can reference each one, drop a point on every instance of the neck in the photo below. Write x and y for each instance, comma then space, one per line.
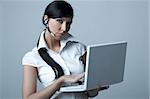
52, 43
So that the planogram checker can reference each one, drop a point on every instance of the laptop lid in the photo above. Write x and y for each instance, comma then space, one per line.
106, 63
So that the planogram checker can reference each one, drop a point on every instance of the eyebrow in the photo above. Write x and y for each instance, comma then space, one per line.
64, 19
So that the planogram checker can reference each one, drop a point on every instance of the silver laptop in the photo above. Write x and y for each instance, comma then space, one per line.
105, 65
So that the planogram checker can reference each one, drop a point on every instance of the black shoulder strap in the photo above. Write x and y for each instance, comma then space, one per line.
49, 60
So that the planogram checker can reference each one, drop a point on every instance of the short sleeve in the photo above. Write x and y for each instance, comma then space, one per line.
28, 59
81, 48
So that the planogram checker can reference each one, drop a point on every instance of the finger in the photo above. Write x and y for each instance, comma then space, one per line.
104, 87
82, 75
79, 76
98, 88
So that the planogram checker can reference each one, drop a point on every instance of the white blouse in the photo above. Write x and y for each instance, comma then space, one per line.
68, 58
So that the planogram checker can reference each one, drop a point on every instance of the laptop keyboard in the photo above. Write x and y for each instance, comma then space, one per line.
73, 84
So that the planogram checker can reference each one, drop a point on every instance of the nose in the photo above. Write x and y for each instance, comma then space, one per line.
64, 26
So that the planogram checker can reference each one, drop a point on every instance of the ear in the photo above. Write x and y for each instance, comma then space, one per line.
45, 17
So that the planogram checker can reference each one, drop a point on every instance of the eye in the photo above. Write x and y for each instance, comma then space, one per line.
60, 21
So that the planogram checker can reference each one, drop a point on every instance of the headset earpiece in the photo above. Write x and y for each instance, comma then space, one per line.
46, 22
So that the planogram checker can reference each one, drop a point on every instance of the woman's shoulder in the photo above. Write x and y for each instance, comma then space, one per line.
30, 57
31, 53
72, 41
77, 47
78, 44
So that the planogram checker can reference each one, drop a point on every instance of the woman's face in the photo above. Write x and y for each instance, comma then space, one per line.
59, 26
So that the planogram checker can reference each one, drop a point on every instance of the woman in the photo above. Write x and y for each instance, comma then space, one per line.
57, 59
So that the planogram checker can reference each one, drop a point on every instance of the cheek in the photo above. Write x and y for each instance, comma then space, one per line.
53, 27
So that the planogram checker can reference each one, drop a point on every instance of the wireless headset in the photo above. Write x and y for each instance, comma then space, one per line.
46, 22
46, 25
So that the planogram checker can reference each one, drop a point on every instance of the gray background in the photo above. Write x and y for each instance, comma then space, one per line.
95, 21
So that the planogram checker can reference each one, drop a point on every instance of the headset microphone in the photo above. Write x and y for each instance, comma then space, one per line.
52, 34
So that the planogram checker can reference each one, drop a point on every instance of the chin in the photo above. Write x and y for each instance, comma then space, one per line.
58, 38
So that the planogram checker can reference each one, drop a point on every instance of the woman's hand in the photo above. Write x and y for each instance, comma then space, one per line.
72, 78
94, 92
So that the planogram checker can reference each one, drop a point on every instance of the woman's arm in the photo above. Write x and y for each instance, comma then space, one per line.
30, 83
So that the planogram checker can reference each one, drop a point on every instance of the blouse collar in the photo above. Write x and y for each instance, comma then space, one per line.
66, 38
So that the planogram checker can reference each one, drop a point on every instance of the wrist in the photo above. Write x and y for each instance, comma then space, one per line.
61, 80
